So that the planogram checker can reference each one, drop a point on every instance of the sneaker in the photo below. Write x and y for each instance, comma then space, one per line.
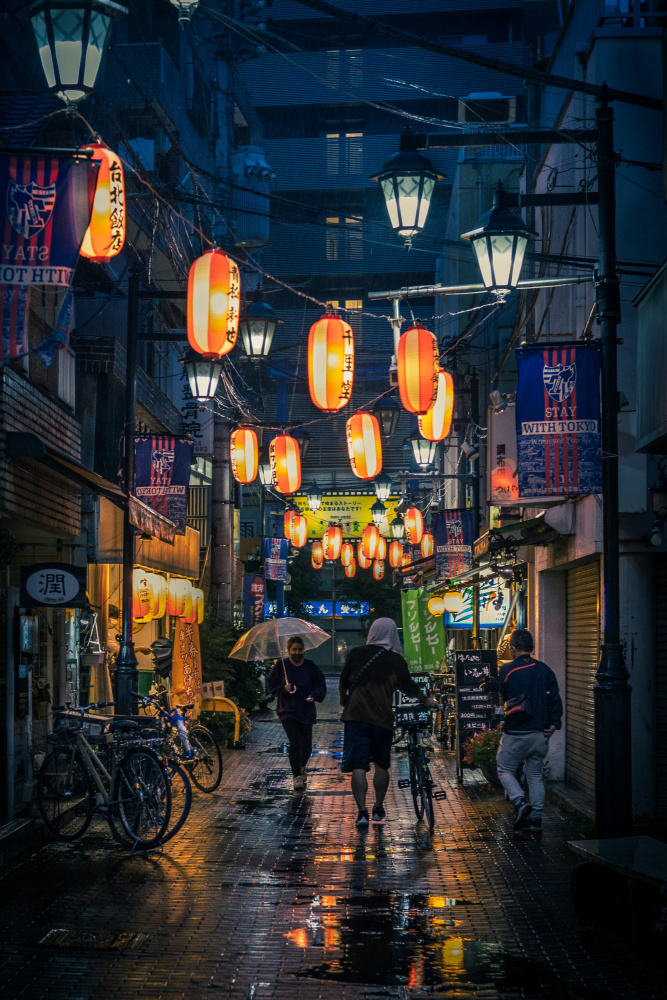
362, 817
534, 824
521, 814
299, 784
304, 775
379, 815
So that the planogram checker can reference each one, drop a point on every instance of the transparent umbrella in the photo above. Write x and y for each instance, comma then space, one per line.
269, 639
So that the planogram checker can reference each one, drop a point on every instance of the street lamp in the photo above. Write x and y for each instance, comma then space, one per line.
314, 497
499, 241
423, 450
398, 527
382, 484
203, 372
71, 38
407, 180
186, 9
257, 327
264, 467
379, 512
387, 411
302, 438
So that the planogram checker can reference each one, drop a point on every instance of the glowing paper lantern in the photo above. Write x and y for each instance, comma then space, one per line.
330, 363
105, 236
378, 569
191, 610
288, 517
198, 604
347, 554
177, 590
453, 601
159, 587
427, 545
299, 534
369, 541
332, 541
317, 555
436, 606
142, 596
418, 368
414, 525
395, 554
407, 559
285, 463
363, 560
381, 548
244, 452
351, 569
436, 423
214, 292
364, 445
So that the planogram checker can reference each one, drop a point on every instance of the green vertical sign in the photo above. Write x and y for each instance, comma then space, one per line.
412, 627
432, 631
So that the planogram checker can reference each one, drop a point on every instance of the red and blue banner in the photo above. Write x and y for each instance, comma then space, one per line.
275, 558
162, 476
452, 542
15, 306
45, 208
254, 599
558, 422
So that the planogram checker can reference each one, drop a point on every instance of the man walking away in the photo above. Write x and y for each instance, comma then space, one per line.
370, 676
533, 712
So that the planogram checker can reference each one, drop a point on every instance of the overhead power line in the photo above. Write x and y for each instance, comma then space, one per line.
601, 92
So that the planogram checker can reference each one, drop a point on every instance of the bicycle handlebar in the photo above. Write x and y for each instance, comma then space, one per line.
81, 709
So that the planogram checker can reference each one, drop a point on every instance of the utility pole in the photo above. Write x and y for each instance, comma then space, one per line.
473, 470
613, 765
222, 541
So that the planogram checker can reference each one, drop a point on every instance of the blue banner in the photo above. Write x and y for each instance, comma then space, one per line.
254, 599
452, 541
275, 558
162, 476
324, 609
558, 422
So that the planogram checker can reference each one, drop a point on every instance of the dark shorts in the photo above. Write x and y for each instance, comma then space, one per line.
365, 744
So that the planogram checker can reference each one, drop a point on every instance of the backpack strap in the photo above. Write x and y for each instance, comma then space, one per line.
359, 672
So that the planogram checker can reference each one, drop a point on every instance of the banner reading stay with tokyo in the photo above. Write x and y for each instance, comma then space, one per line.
558, 422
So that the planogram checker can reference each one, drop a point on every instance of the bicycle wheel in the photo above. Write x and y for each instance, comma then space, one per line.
426, 788
206, 768
181, 798
65, 794
143, 798
415, 787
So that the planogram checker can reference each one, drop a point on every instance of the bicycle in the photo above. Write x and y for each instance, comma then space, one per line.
420, 782
74, 781
191, 745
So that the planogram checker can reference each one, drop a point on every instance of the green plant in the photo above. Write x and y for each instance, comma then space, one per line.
242, 680
480, 750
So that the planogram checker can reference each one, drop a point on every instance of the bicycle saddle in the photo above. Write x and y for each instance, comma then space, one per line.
185, 708
122, 726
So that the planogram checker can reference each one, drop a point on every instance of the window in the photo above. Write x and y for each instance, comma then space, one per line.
247, 529
344, 243
354, 303
345, 152
66, 377
344, 67
463, 39
332, 239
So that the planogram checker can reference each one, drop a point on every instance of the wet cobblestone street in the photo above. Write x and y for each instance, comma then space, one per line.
264, 895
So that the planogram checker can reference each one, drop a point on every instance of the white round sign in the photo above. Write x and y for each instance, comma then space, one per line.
52, 586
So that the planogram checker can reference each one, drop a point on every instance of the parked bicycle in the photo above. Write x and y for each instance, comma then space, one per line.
420, 782
192, 745
76, 780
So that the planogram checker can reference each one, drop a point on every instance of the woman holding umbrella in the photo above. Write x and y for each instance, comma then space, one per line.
297, 683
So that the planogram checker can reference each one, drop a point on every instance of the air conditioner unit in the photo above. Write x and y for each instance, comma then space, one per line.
487, 109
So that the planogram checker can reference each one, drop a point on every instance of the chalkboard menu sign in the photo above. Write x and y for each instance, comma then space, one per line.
475, 709
407, 708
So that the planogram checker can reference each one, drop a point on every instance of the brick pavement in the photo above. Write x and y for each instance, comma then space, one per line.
268, 897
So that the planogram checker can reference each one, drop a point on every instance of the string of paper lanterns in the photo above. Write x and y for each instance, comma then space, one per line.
214, 296
364, 445
153, 597
330, 363
105, 236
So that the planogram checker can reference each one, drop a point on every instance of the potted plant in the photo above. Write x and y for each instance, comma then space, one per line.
480, 751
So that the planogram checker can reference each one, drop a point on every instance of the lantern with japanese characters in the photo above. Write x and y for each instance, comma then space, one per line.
158, 585
244, 454
332, 541
142, 596
427, 545
177, 591
418, 369
381, 548
299, 535
369, 541
436, 423
378, 569
317, 555
330, 363
414, 525
395, 554
191, 613
364, 561
105, 236
214, 293
351, 569
364, 445
285, 463
288, 517
347, 554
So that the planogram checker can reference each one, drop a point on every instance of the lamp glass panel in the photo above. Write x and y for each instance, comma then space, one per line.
502, 246
204, 379
521, 242
427, 191
97, 36
382, 488
67, 32
390, 198
408, 200
398, 528
42, 38
482, 251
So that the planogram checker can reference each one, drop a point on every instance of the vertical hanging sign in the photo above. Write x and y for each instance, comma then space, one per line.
162, 476
558, 422
432, 636
452, 539
412, 641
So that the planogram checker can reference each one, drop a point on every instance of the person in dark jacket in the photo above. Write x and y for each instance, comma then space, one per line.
533, 712
367, 698
297, 683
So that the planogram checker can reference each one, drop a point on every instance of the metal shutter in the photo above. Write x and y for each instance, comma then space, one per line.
660, 582
583, 650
